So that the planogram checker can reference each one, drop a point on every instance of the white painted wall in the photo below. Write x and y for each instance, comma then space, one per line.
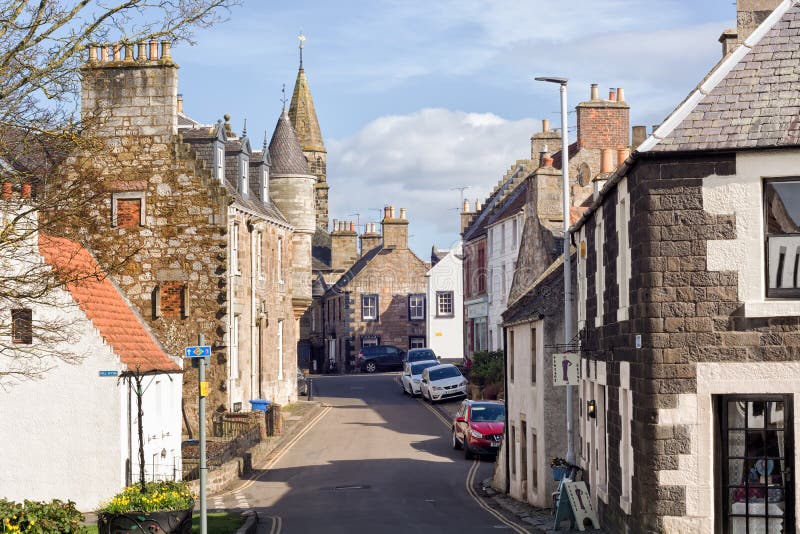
445, 335
502, 251
742, 195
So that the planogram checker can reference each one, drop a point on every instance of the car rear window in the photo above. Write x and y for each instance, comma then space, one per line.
417, 368
444, 372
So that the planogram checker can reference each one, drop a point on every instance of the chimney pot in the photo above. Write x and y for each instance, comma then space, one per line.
545, 125
128, 52
466, 206
180, 103
165, 50
6, 190
606, 160
117, 52
391, 211
352, 226
141, 55
612, 95
402, 213
620, 94
547, 161
622, 155
104, 53
478, 205
595, 92
153, 50
386, 212
26, 190
92, 53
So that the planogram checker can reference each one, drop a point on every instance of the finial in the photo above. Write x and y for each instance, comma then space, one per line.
244, 129
265, 141
283, 98
301, 38
227, 117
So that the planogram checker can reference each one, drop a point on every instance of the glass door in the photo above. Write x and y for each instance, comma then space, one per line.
756, 464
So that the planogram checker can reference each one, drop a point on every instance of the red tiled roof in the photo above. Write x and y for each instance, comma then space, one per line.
101, 301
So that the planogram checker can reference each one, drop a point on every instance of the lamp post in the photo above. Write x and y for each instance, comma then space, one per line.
562, 82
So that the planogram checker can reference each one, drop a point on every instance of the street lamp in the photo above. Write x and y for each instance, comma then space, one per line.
562, 82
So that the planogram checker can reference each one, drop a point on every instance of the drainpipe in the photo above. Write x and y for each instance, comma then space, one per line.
505, 401
253, 277
129, 470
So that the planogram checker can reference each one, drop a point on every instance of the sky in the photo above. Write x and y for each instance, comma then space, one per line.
418, 98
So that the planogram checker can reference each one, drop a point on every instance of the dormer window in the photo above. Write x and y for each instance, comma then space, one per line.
244, 174
219, 162
264, 183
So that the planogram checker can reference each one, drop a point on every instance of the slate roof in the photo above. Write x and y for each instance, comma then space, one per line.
751, 99
357, 267
478, 225
538, 299
303, 115
284, 150
511, 205
96, 295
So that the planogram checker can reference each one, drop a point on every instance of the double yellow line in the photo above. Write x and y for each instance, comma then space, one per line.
473, 471
277, 523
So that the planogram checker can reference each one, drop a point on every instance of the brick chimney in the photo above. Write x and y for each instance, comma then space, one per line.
395, 230
546, 138
371, 238
344, 245
136, 93
604, 123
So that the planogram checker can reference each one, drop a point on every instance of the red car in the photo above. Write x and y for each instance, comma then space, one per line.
478, 427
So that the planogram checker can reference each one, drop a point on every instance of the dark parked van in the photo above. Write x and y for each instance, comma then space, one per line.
380, 358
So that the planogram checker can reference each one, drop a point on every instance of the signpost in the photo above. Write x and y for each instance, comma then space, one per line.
202, 352
567, 369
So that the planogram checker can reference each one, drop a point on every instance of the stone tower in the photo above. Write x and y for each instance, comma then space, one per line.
291, 187
306, 126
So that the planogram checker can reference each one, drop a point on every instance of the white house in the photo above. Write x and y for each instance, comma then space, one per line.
504, 233
71, 433
445, 298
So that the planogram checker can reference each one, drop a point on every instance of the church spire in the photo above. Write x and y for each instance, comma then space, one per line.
302, 113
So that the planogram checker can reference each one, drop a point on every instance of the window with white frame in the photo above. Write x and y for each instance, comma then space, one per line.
370, 341
219, 162
235, 249
264, 183
259, 255
782, 235
279, 341
244, 174
369, 307
234, 334
416, 342
279, 259
444, 304
416, 307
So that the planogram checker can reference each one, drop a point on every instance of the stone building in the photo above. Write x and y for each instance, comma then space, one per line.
688, 304
380, 297
195, 211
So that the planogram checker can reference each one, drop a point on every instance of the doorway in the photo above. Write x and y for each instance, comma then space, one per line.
523, 462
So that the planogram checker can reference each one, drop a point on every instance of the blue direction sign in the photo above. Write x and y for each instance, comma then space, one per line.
109, 373
199, 351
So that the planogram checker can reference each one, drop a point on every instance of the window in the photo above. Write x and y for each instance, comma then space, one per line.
235, 347
370, 341
534, 462
416, 307
510, 355
369, 307
259, 256
782, 214
600, 270
127, 209
219, 162
22, 326
279, 260
502, 282
514, 233
444, 304
279, 341
755, 462
264, 183
235, 249
502, 238
480, 270
416, 342
513, 451
244, 175
534, 355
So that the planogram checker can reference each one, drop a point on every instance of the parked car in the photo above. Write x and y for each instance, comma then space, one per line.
442, 382
412, 376
380, 358
420, 355
302, 383
478, 427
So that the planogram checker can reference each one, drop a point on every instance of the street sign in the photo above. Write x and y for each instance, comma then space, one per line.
109, 373
567, 369
198, 351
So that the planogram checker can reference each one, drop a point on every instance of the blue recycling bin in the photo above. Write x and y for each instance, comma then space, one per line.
259, 405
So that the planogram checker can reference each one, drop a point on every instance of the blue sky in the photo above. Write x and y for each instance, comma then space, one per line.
415, 98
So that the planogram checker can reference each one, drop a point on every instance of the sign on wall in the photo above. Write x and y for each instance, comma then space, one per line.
566, 369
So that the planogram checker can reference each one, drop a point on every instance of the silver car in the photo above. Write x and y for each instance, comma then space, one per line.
442, 382
412, 376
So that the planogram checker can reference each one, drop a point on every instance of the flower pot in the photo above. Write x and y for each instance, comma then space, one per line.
559, 472
174, 521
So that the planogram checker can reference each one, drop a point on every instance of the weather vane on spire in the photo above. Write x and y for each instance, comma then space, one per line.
302, 39
283, 98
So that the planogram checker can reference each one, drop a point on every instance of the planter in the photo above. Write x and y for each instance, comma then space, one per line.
175, 521
560, 472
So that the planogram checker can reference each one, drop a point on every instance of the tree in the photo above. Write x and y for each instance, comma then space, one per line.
41, 48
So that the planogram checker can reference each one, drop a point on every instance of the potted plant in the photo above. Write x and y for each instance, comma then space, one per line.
162, 507
560, 468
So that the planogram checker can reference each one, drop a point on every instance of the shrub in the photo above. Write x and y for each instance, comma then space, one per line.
487, 368
159, 497
40, 517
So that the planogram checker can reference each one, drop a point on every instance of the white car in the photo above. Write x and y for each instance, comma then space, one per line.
412, 376
442, 382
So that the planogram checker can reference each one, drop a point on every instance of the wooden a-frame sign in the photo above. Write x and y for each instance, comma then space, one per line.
574, 504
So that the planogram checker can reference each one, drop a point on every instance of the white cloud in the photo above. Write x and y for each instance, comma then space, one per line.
416, 160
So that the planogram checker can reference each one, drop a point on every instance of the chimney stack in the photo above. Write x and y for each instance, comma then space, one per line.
750, 14
466, 215
344, 245
546, 137
370, 239
395, 231
639, 136
604, 123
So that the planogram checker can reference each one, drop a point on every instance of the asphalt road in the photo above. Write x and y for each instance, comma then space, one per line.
376, 461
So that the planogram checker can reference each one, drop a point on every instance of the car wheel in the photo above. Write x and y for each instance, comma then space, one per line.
370, 367
456, 443
467, 452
